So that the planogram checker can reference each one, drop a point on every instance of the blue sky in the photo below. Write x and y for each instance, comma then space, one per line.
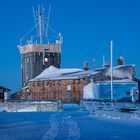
87, 27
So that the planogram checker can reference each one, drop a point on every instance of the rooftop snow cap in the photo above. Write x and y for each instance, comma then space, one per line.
55, 73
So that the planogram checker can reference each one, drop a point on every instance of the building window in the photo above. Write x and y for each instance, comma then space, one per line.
46, 59
27, 60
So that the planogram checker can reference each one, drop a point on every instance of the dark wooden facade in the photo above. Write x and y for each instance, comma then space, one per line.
3, 90
36, 58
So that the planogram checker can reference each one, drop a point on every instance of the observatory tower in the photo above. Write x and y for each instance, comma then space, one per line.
38, 49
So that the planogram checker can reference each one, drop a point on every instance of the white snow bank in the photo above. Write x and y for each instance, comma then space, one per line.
28, 109
71, 106
91, 91
42, 106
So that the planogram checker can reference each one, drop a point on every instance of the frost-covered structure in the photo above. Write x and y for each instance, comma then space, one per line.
121, 90
40, 47
71, 85
124, 85
59, 84
91, 91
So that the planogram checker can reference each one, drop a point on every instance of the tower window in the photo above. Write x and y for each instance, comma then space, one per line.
27, 60
46, 59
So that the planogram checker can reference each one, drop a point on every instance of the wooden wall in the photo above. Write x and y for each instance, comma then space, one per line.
57, 89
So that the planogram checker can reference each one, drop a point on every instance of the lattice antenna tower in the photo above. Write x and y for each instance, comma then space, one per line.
41, 20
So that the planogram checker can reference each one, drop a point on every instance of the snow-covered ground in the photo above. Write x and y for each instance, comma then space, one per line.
33, 106
68, 125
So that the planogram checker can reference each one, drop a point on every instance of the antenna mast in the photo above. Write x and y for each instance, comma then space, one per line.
111, 68
40, 21
103, 61
48, 22
39, 17
35, 21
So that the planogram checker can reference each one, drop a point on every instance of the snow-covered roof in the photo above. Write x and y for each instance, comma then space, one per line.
53, 73
4, 88
122, 71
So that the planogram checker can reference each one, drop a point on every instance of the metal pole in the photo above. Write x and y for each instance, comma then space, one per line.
40, 18
35, 21
48, 22
103, 61
111, 68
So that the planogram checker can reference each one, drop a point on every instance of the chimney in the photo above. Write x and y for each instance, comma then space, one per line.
86, 66
106, 64
120, 61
